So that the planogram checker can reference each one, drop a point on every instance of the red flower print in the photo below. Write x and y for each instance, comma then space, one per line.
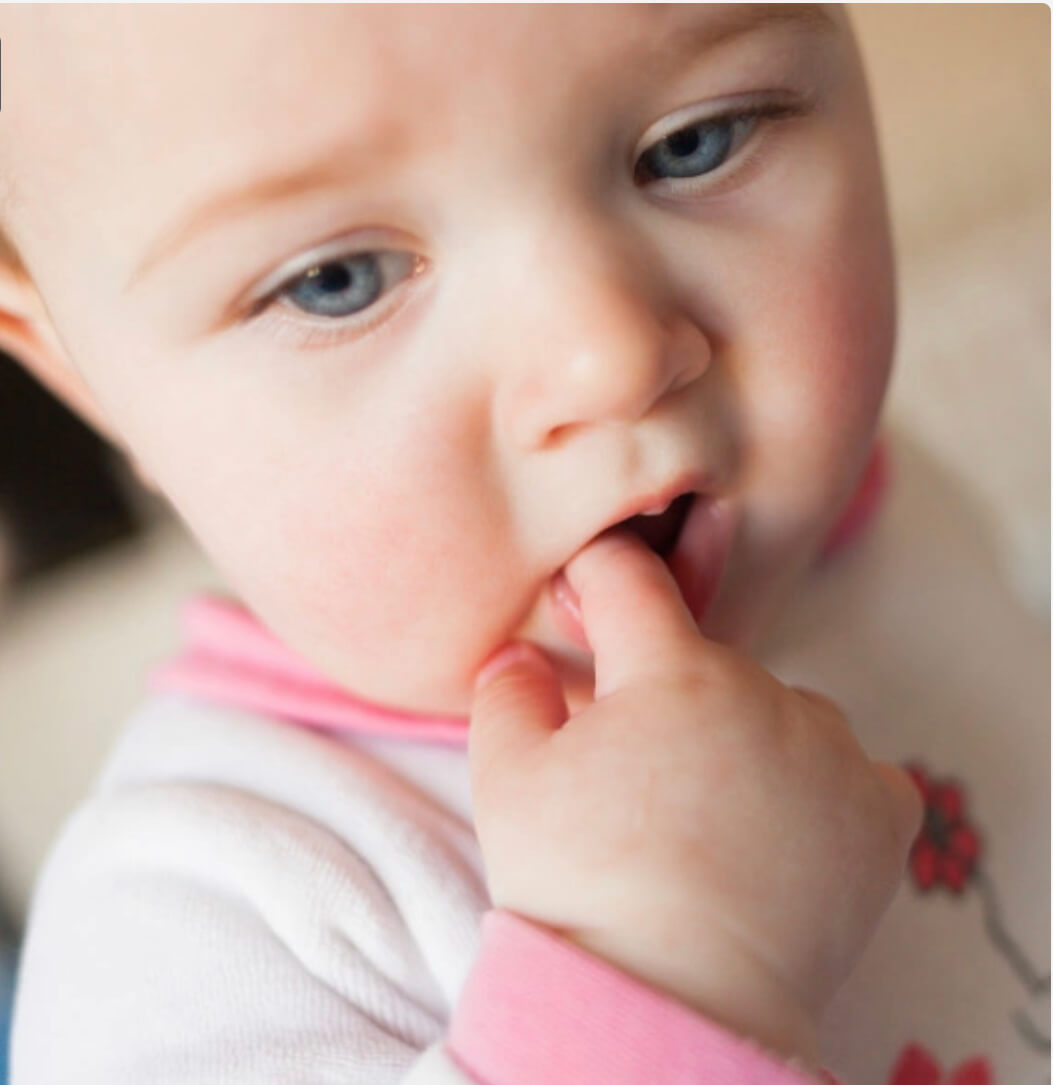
947, 851
947, 848
916, 1066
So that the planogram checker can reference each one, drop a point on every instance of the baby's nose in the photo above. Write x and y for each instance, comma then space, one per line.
602, 348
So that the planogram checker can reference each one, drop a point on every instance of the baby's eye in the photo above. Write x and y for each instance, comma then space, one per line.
697, 149
346, 285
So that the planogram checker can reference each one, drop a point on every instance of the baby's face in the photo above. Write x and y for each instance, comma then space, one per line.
401, 308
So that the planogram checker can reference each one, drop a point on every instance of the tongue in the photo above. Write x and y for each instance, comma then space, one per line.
660, 532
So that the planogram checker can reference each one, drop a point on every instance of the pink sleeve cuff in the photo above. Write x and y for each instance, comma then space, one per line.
538, 1010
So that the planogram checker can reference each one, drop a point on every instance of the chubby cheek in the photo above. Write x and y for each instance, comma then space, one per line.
823, 355
842, 384
386, 560
814, 355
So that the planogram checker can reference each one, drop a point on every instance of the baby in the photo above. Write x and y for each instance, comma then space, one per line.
513, 364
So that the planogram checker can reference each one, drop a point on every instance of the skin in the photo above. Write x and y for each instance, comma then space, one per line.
701, 826
393, 493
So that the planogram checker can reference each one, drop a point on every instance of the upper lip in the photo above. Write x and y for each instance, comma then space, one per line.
689, 482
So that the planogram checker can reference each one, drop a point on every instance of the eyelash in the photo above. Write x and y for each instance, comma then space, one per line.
308, 330
754, 116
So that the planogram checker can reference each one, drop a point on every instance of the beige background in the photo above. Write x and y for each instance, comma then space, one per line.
962, 95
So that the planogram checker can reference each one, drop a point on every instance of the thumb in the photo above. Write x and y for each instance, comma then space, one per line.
518, 702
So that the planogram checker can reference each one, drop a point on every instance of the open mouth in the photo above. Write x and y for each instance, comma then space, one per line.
660, 532
693, 537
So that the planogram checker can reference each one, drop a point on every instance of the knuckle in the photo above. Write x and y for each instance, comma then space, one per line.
915, 811
818, 701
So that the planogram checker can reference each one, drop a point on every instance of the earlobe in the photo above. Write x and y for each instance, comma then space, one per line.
28, 336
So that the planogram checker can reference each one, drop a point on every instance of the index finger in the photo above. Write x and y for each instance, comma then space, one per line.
634, 616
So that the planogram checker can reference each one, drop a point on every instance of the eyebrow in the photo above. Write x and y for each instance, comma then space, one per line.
354, 162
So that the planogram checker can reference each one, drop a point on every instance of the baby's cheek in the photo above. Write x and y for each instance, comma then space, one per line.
815, 386
860, 280
860, 318
396, 591
846, 327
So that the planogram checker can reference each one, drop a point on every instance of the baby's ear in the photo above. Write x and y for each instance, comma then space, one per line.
28, 335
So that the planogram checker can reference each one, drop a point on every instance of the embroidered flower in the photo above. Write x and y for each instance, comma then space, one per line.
915, 1066
947, 848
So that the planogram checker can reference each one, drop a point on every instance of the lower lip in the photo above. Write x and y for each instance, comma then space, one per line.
697, 563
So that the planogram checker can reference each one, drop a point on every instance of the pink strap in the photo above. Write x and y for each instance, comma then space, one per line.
537, 1010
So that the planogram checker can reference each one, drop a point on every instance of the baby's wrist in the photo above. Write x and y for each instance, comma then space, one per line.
729, 988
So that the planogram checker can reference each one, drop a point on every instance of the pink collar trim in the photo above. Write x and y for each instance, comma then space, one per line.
229, 657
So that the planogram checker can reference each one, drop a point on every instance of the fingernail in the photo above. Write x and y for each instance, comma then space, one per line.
508, 655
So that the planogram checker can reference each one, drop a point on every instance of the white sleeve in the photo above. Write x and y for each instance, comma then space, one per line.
193, 934
199, 933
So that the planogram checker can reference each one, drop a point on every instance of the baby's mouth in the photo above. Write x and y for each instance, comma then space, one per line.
693, 536
660, 532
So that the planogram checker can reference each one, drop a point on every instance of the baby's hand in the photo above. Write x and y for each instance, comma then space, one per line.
700, 825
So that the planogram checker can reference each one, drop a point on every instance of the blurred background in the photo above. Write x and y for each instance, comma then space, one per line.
93, 569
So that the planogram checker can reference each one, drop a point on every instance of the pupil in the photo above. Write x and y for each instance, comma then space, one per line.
684, 142
331, 277
338, 288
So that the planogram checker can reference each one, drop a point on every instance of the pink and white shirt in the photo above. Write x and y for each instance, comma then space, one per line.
275, 882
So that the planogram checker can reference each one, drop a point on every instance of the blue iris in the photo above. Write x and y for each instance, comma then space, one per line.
692, 151
338, 288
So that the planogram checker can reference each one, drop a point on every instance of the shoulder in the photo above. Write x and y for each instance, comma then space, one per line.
190, 767
231, 868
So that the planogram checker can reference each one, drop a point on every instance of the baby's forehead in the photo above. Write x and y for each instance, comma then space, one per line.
152, 107
133, 61
194, 87
167, 74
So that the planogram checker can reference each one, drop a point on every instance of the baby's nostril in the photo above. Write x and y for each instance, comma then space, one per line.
661, 532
